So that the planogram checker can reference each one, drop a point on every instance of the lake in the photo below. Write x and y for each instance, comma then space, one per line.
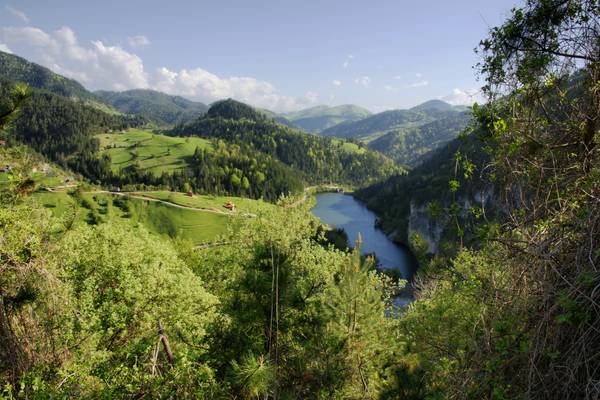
344, 211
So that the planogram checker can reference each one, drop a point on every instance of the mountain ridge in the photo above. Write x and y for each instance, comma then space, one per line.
156, 106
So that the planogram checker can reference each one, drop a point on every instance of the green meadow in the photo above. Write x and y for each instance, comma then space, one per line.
196, 226
149, 151
243, 205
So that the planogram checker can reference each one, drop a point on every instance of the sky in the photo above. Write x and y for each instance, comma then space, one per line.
282, 55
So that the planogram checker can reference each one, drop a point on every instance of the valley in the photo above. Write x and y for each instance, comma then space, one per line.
183, 218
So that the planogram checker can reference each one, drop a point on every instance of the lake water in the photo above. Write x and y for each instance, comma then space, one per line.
344, 211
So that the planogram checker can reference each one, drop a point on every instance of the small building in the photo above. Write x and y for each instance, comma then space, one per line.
69, 179
6, 168
229, 205
2, 142
190, 193
115, 189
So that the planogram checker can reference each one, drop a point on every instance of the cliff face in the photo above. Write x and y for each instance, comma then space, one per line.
405, 203
421, 223
433, 230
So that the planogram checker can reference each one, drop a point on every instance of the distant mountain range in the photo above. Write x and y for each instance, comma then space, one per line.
406, 135
319, 118
155, 106
403, 135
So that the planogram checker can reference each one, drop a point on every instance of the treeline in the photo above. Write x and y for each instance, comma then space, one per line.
440, 186
223, 169
155, 106
15, 68
320, 159
64, 131
411, 145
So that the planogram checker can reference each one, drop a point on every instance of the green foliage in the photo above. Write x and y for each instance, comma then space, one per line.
443, 180
412, 145
17, 69
320, 160
319, 118
11, 102
154, 106
254, 376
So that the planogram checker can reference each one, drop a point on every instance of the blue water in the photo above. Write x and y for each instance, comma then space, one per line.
344, 211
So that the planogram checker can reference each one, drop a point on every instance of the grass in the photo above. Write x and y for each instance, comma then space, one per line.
150, 151
196, 226
350, 147
24, 162
243, 205
58, 202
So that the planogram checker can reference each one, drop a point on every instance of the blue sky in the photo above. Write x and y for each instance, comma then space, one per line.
278, 54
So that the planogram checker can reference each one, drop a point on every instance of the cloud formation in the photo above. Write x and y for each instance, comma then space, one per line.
138, 41
346, 62
419, 83
17, 13
98, 66
5, 48
336, 83
464, 97
102, 66
204, 85
364, 81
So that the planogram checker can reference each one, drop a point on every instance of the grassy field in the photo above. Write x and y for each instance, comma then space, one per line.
350, 147
216, 203
59, 202
197, 226
23, 162
154, 152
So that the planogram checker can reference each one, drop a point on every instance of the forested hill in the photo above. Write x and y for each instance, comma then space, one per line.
64, 130
378, 124
15, 68
320, 159
155, 106
406, 136
410, 146
319, 118
416, 202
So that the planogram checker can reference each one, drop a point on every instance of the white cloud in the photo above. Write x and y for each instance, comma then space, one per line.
464, 97
5, 48
203, 85
99, 65
417, 84
336, 83
388, 88
420, 82
364, 81
346, 62
138, 41
398, 77
17, 13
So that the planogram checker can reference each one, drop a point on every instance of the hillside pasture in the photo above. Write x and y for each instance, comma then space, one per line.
149, 151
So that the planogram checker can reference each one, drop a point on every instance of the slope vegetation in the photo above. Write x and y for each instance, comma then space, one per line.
319, 118
320, 159
155, 106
